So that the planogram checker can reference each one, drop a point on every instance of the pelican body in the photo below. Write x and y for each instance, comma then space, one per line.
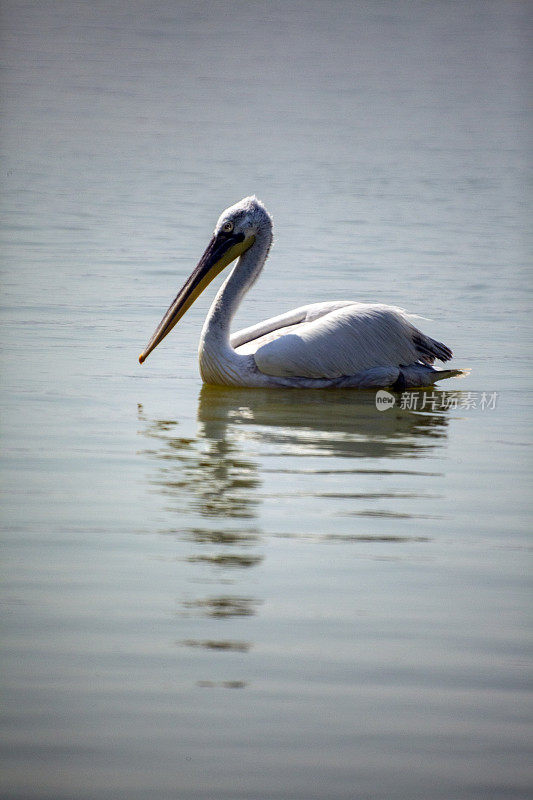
333, 344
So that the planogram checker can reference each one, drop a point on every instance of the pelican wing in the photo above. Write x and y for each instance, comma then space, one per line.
249, 339
347, 339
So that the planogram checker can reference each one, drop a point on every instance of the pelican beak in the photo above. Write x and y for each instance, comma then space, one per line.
221, 251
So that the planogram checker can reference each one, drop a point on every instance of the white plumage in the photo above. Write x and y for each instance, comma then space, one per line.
335, 344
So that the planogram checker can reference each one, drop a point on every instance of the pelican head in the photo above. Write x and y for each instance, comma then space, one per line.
235, 232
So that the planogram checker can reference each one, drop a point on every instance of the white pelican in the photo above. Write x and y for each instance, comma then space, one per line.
333, 344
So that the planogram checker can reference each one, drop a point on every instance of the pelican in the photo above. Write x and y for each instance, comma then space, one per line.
333, 344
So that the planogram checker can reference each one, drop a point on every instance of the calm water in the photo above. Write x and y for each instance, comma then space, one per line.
262, 595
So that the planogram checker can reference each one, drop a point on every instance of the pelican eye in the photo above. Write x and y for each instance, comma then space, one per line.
227, 227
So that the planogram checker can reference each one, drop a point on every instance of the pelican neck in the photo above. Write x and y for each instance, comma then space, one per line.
231, 293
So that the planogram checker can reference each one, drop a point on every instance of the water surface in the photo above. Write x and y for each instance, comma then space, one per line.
214, 593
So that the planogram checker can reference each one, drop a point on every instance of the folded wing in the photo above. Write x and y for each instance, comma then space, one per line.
330, 340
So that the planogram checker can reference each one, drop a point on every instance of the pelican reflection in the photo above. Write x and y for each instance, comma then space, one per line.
215, 480
315, 423
255, 452
208, 475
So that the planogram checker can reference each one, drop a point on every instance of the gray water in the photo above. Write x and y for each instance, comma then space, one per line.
257, 595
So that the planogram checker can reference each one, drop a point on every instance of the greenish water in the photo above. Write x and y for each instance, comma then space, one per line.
220, 594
